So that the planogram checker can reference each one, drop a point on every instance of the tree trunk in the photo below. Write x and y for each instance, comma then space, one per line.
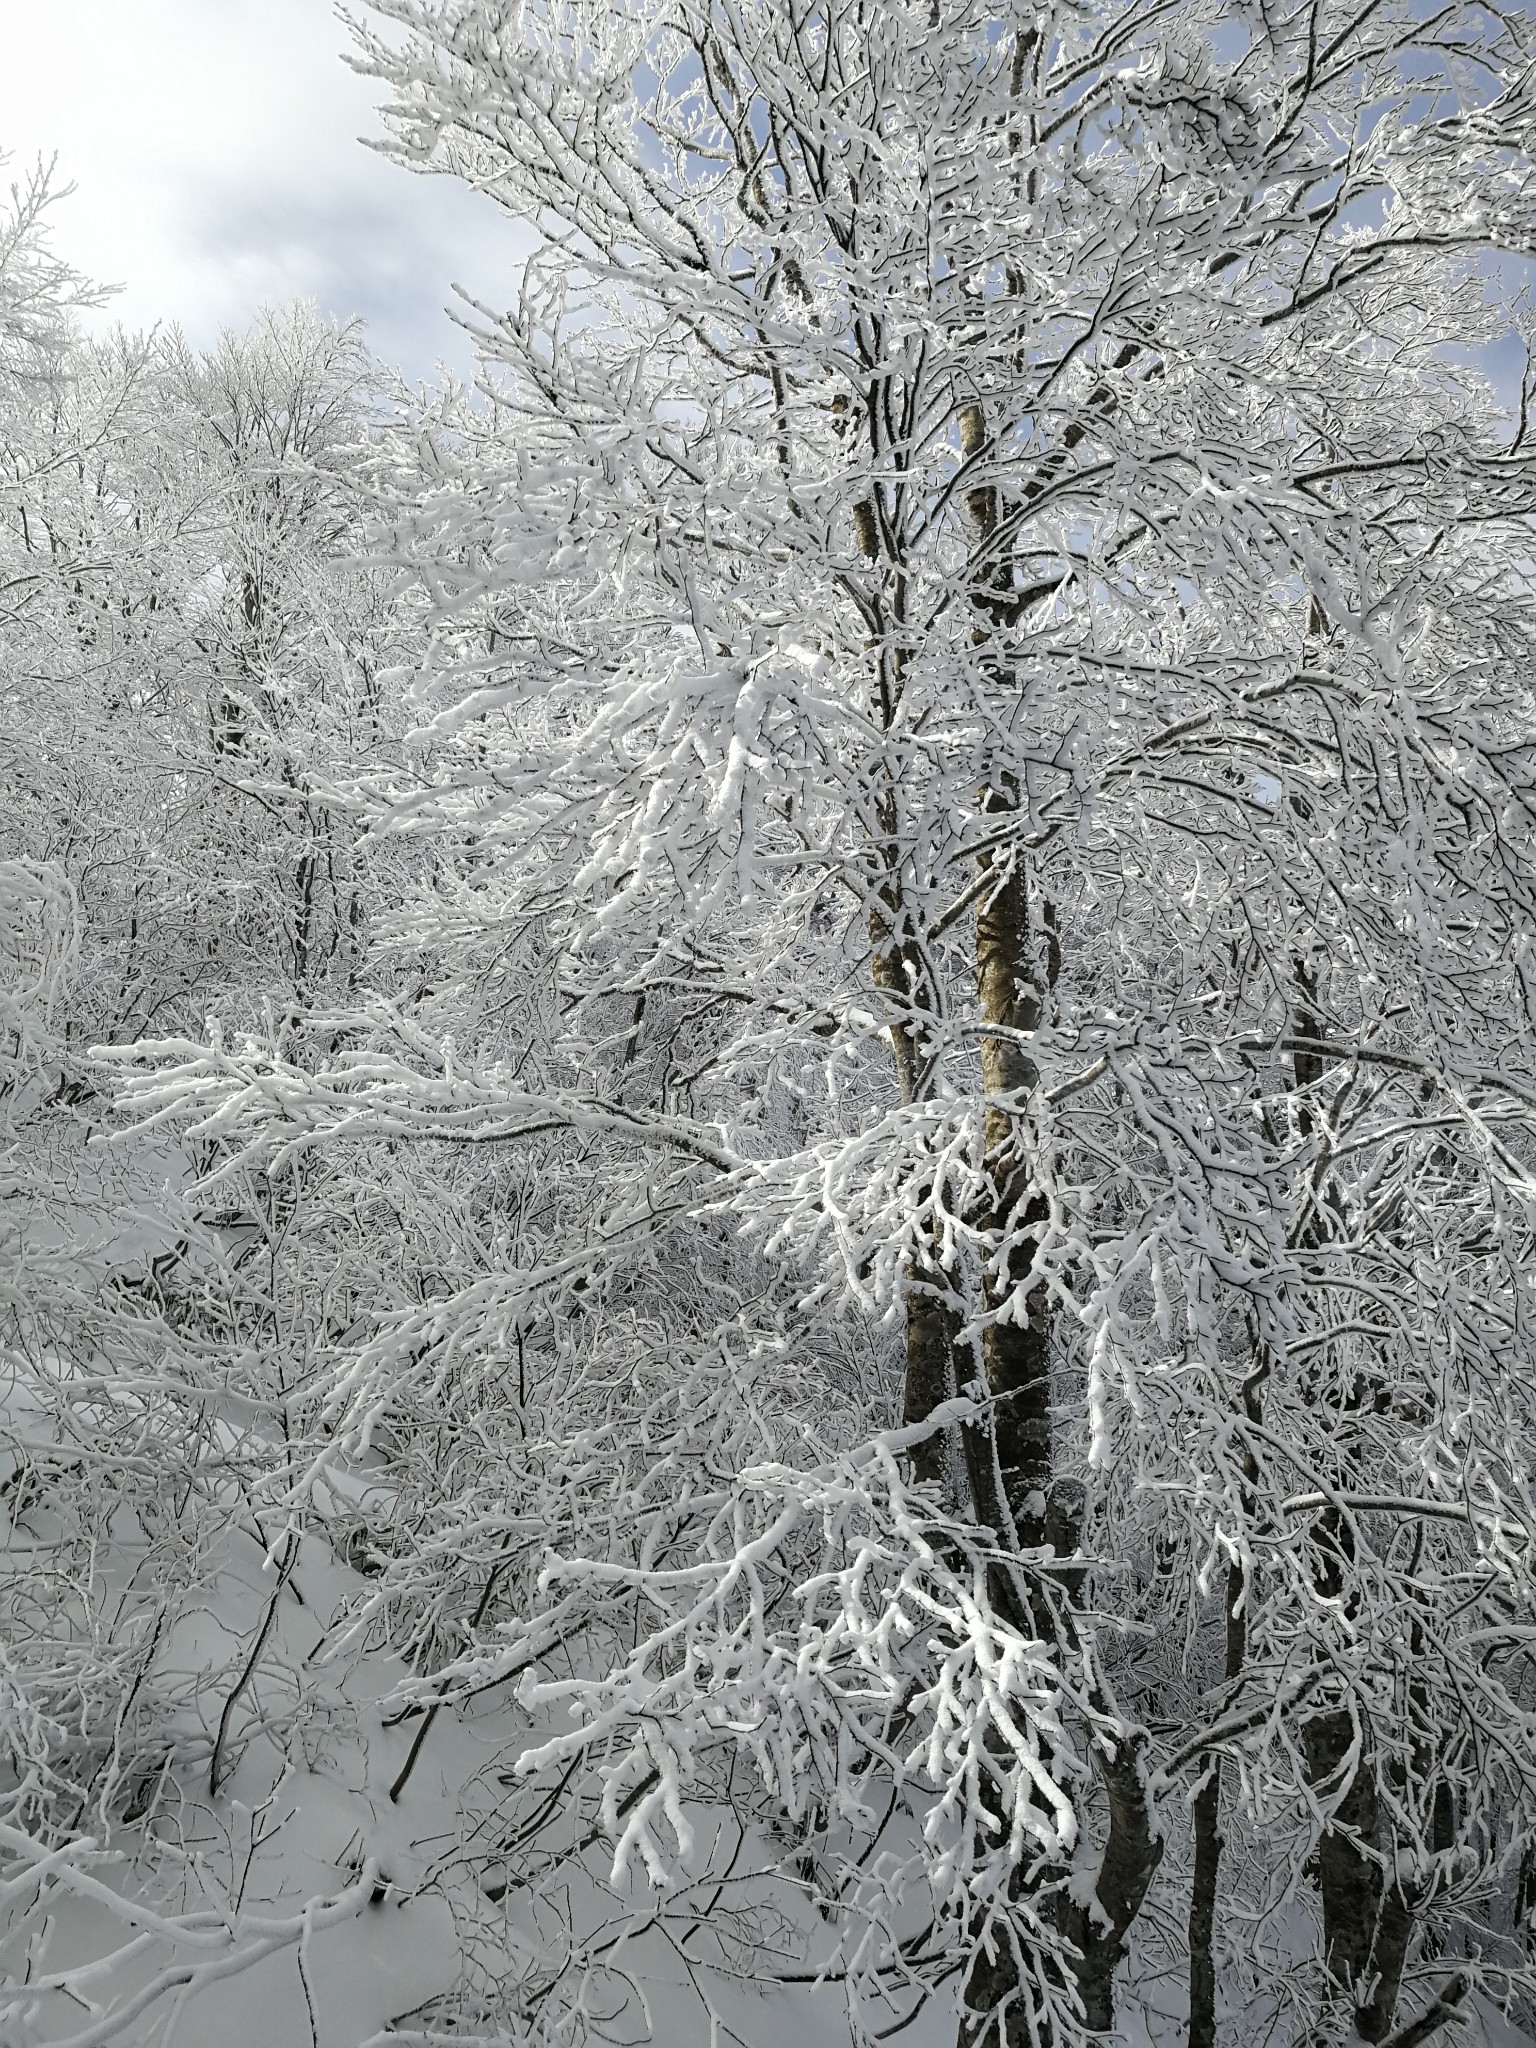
1202, 1910
1209, 1843
1131, 1857
932, 1313
1011, 1466
1015, 1351
1395, 1923
1014, 1471
1348, 1879
1009, 1457
1349, 1874
1402, 1903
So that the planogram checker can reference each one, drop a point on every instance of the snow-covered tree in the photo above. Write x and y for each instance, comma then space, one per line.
923, 1202
185, 631
188, 646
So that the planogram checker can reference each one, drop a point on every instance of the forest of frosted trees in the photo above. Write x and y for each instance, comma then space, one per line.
768, 1092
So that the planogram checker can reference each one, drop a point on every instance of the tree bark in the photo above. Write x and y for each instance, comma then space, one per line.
1209, 1843
933, 1315
1349, 1871
1015, 1350
1348, 1878
1131, 1857
1012, 1465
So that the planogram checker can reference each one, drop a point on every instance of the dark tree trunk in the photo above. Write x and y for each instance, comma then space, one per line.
933, 1324
1015, 1353
932, 1311
1402, 1904
1000, 1995
1131, 1857
1348, 1876
1395, 1922
1202, 1910
1209, 1843
1011, 1465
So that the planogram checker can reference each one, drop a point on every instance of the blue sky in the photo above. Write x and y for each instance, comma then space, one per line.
213, 144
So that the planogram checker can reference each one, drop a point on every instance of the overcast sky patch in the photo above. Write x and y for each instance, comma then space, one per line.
214, 147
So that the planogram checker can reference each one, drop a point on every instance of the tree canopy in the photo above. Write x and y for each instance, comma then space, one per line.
832, 992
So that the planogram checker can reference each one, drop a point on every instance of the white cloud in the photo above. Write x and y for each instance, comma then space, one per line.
214, 147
